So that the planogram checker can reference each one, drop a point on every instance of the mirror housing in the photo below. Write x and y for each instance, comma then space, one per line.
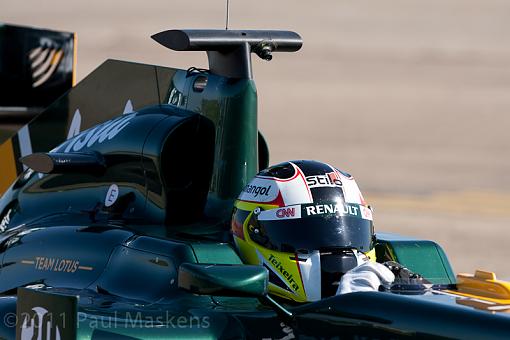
224, 280
65, 162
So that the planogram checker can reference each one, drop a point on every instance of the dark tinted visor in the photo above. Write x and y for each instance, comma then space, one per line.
314, 227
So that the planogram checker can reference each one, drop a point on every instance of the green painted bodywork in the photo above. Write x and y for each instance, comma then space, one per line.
231, 104
217, 253
224, 280
421, 256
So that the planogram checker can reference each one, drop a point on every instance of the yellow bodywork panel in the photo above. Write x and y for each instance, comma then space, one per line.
75, 56
484, 284
484, 291
7, 166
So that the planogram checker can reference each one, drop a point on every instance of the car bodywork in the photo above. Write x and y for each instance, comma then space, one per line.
121, 231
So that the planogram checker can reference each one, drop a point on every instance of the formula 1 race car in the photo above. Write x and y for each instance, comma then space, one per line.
117, 226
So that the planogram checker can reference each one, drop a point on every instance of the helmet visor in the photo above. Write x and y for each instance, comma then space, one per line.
308, 227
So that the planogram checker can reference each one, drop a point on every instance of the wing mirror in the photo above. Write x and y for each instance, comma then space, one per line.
223, 280
59, 163
230, 280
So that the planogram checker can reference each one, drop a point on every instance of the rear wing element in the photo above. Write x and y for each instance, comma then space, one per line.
36, 67
114, 88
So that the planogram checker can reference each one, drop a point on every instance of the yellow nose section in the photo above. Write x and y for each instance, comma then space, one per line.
483, 291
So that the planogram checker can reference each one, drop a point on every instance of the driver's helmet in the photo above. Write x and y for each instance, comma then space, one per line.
307, 223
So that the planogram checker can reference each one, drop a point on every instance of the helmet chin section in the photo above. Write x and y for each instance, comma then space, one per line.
310, 270
296, 275
309, 276
335, 262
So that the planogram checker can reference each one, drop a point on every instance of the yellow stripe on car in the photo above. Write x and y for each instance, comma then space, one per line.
8, 166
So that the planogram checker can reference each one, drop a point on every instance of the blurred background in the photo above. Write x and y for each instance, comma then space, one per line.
409, 96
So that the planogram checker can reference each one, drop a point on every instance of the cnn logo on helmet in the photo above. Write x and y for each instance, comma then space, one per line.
285, 212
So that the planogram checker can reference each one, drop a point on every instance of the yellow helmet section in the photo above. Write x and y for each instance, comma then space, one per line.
280, 263
371, 255
283, 265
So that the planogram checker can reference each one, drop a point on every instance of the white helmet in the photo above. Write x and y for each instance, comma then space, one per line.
308, 223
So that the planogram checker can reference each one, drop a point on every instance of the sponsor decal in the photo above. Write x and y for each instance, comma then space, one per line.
53, 264
32, 327
260, 190
286, 212
128, 108
288, 331
56, 265
283, 213
329, 179
111, 195
366, 213
43, 315
44, 61
343, 209
5, 221
97, 134
288, 276
74, 128
256, 190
